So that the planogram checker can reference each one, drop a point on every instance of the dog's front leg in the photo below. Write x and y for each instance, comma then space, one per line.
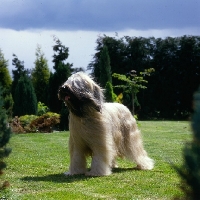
100, 166
77, 162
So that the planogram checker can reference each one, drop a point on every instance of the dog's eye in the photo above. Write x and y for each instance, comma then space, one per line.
63, 88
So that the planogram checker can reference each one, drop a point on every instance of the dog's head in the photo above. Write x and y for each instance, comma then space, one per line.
81, 93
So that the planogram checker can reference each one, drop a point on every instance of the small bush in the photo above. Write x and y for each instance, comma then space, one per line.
21, 124
45, 123
16, 125
33, 123
27, 119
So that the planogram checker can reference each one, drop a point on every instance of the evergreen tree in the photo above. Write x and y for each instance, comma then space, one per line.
61, 53
62, 72
18, 72
25, 98
190, 171
109, 93
116, 49
40, 76
5, 82
105, 68
5, 133
5, 79
57, 78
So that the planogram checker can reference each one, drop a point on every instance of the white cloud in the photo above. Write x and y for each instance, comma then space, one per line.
23, 43
81, 43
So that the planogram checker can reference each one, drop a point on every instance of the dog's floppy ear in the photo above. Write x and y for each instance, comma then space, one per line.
98, 98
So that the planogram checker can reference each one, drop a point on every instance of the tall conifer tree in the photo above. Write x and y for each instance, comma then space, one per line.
5, 78
17, 72
62, 72
5, 82
105, 74
105, 68
25, 98
40, 76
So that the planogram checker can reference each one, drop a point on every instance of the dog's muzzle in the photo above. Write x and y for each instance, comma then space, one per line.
64, 93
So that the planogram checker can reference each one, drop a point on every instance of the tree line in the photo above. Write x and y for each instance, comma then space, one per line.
176, 76
170, 87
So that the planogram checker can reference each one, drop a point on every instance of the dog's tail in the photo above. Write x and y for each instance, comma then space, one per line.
136, 153
145, 163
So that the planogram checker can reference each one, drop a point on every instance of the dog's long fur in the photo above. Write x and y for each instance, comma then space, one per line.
101, 130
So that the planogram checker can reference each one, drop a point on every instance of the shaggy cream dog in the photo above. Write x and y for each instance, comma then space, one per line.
98, 129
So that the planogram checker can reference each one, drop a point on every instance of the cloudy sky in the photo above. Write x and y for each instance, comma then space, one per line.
78, 23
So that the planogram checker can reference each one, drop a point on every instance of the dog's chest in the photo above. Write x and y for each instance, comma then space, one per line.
81, 126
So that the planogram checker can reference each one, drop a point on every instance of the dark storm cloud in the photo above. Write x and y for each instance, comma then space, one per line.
103, 15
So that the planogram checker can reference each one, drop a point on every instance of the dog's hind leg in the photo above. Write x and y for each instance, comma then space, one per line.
136, 153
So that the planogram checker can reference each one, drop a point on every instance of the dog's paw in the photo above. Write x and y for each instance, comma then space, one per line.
115, 166
68, 174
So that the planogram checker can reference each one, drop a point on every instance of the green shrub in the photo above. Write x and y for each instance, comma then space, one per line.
25, 120
33, 123
45, 123
52, 114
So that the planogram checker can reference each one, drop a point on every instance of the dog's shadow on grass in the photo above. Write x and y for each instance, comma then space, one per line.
57, 178
61, 178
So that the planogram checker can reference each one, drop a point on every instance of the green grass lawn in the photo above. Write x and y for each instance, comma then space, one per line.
37, 162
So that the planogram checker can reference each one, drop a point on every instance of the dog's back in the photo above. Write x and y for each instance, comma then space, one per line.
120, 113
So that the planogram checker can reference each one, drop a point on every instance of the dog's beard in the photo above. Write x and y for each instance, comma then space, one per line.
81, 95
